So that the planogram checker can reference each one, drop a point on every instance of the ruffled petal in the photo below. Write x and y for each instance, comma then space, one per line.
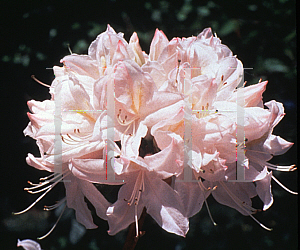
165, 207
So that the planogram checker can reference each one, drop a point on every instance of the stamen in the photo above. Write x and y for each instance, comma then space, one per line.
240, 203
38, 191
35, 186
177, 73
62, 138
135, 198
47, 177
69, 49
281, 168
40, 197
51, 230
32, 184
284, 187
209, 213
204, 189
38, 81
244, 206
52, 207
72, 138
75, 139
36, 201
259, 223
123, 122
139, 185
270, 165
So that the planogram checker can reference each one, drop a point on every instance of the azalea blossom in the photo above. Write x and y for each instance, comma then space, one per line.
149, 120
144, 187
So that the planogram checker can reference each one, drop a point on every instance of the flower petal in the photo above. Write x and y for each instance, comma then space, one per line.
263, 188
165, 207
29, 244
75, 200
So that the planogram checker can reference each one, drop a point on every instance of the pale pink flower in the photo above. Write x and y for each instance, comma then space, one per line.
183, 83
144, 187
110, 47
72, 91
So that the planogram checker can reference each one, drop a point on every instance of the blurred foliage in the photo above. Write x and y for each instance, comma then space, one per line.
37, 34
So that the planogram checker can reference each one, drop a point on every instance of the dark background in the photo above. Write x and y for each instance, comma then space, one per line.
35, 36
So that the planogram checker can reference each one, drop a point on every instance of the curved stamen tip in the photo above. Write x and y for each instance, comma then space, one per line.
17, 213
38, 81
259, 223
284, 187
51, 230
293, 168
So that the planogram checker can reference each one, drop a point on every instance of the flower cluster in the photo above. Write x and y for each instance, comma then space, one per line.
162, 125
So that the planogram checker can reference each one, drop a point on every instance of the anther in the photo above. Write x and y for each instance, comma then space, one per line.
62, 138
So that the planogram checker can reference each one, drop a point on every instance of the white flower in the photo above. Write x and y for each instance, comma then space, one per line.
154, 111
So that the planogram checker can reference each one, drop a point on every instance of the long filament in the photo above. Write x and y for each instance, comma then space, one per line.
38, 81
51, 230
284, 187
